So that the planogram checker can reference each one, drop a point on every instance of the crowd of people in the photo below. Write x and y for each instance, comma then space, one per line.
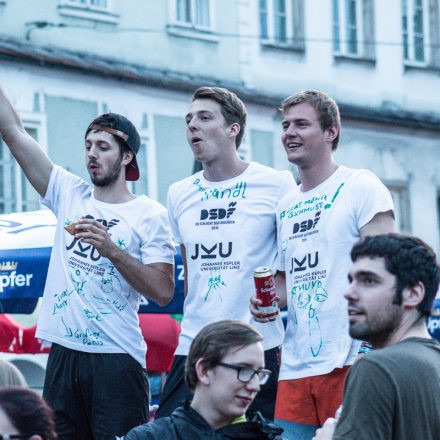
346, 278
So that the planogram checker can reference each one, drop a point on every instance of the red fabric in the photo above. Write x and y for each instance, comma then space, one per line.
161, 332
310, 400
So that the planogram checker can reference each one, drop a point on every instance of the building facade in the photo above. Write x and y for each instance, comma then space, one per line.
63, 62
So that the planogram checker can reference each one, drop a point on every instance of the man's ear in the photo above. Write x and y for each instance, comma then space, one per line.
234, 129
413, 296
127, 157
332, 133
203, 373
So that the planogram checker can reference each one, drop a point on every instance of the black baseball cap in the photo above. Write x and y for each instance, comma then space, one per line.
122, 128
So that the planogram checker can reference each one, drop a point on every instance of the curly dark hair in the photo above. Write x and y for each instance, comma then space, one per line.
214, 341
28, 412
409, 259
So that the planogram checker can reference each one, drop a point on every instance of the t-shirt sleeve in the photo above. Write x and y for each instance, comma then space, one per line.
59, 182
158, 246
280, 261
369, 398
369, 197
172, 218
288, 185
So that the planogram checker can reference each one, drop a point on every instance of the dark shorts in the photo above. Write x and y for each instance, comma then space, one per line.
176, 392
95, 395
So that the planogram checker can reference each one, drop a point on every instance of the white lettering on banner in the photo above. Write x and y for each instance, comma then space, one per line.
15, 280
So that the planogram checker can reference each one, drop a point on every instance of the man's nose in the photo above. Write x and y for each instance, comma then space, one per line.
253, 384
192, 125
291, 130
350, 293
91, 153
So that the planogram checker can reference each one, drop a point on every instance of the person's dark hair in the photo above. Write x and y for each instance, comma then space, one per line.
232, 107
28, 412
325, 107
409, 259
213, 343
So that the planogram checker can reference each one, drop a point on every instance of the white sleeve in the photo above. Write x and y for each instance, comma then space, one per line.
172, 218
60, 181
289, 185
369, 196
157, 247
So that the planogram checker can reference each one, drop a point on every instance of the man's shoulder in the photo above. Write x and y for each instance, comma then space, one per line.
403, 356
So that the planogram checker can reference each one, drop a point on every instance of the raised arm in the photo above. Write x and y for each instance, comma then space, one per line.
32, 159
381, 223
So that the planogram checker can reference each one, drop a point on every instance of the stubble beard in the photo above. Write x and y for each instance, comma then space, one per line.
111, 177
378, 329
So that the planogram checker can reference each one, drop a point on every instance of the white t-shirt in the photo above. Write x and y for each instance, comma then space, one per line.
316, 231
228, 229
88, 305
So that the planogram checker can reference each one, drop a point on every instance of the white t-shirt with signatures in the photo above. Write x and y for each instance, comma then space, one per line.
228, 229
88, 305
316, 231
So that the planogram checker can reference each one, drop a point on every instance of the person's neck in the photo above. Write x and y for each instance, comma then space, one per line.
117, 193
224, 169
201, 404
313, 175
412, 326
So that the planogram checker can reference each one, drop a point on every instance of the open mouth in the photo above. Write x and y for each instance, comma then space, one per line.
292, 145
195, 140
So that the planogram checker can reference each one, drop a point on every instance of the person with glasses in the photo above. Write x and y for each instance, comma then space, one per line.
224, 369
24, 414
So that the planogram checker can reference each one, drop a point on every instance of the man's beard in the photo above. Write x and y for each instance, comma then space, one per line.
111, 176
377, 329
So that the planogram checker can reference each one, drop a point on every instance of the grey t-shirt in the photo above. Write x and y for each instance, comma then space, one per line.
393, 394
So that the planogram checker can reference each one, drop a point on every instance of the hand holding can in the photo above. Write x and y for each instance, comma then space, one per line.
265, 291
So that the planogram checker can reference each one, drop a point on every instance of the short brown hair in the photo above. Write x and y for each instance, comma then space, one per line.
326, 107
213, 342
232, 107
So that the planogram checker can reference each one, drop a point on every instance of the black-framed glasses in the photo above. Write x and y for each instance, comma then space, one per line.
246, 374
13, 437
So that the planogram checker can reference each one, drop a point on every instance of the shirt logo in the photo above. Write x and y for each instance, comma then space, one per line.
218, 214
204, 252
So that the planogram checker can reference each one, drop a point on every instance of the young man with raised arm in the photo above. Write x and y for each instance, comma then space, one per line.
110, 248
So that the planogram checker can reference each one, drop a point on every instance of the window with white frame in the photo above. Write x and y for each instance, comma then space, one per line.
140, 186
282, 22
196, 14
353, 28
421, 32
400, 195
16, 193
97, 10
99, 4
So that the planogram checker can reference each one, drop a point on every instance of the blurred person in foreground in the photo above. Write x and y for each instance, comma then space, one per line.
224, 369
393, 392
10, 375
25, 415
111, 247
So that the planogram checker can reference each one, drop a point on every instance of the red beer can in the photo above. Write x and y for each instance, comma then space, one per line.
265, 289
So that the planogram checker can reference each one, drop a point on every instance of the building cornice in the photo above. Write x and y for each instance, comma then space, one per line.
53, 57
